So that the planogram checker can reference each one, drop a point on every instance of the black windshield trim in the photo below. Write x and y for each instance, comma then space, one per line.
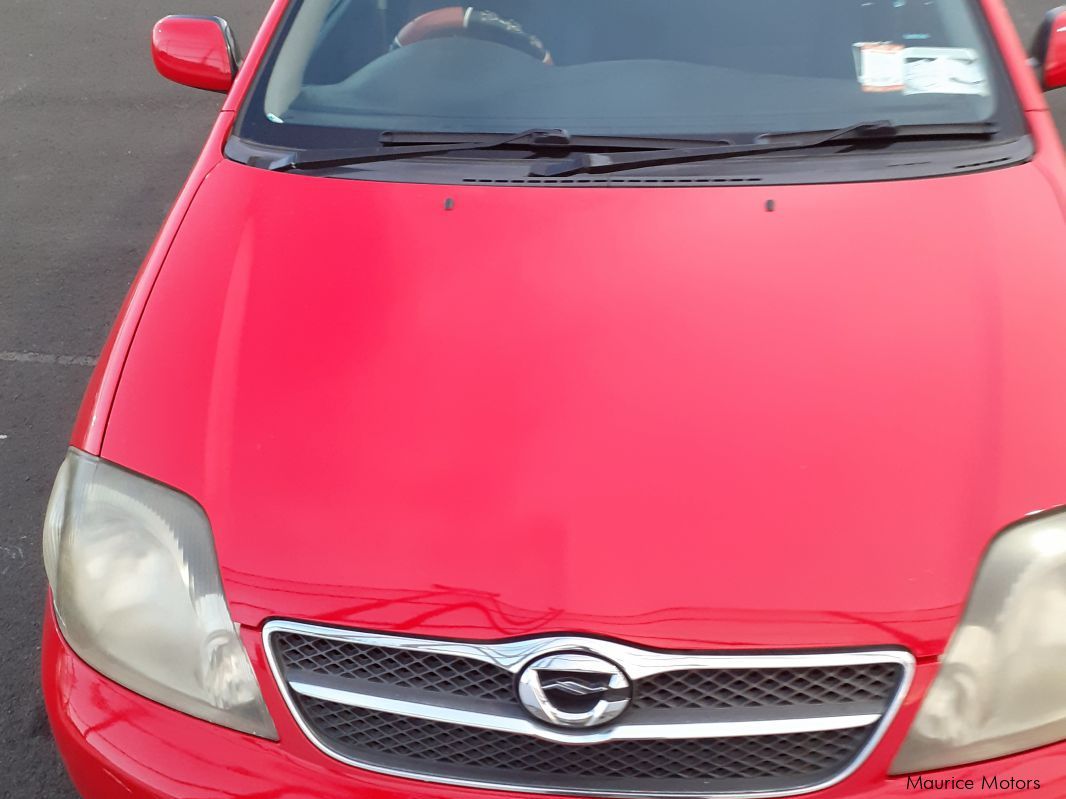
1009, 117
879, 133
805, 167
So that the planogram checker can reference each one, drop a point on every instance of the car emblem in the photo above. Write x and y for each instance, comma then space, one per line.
574, 690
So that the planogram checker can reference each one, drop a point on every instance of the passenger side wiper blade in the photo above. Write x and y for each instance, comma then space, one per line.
886, 131
447, 143
881, 131
566, 140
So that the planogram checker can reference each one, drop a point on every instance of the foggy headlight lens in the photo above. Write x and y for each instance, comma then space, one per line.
1002, 686
138, 594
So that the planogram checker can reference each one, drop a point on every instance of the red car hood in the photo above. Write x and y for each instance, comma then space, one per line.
665, 415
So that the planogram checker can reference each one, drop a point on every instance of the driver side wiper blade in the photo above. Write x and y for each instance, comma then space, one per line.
880, 131
445, 143
327, 159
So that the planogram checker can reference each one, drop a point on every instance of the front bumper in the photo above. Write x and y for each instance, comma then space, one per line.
118, 745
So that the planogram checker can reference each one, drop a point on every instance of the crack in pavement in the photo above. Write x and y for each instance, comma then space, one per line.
47, 358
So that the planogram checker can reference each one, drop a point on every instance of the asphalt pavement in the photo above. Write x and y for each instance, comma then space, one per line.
93, 148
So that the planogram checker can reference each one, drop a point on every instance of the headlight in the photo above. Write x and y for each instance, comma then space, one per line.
1002, 686
138, 594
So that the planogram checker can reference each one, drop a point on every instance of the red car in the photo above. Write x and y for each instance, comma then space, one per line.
615, 398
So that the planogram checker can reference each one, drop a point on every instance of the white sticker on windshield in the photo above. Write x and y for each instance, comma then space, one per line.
943, 70
880, 66
890, 67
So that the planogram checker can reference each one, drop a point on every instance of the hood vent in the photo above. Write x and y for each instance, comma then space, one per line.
983, 164
592, 180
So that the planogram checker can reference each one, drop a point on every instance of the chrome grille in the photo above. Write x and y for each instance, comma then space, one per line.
698, 725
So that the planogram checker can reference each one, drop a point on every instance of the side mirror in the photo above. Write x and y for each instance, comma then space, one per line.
196, 51
1049, 50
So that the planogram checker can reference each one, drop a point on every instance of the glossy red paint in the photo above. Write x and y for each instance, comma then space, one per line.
95, 408
500, 420
1016, 58
194, 51
513, 431
91, 421
117, 744
1054, 56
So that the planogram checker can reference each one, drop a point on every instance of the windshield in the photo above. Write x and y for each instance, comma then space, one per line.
679, 68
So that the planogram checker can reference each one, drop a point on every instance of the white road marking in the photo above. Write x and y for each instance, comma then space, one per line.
46, 358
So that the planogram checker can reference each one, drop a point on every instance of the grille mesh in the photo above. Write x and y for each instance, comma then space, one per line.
730, 688
367, 735
401, 668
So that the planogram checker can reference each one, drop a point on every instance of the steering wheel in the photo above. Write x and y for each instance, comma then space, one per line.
480, 24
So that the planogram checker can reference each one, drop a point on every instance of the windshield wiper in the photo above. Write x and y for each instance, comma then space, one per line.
446, 143
863, 132
562, 139
327, 159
